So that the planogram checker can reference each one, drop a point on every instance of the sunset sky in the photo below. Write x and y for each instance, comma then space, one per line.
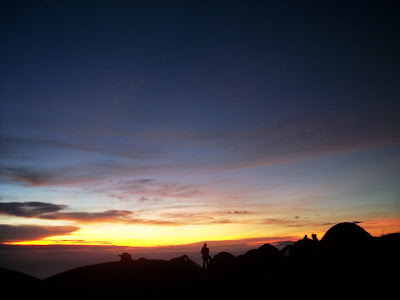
150, 123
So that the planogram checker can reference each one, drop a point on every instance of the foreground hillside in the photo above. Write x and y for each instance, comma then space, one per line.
136, 274
346, 260
13, 279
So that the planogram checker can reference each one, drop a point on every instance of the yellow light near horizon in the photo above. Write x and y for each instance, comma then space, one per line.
156, 235
151, 235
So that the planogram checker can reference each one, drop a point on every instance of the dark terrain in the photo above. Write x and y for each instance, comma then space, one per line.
347, 261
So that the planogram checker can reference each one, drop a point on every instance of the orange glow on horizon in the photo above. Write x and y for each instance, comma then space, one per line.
381, 227
146, 236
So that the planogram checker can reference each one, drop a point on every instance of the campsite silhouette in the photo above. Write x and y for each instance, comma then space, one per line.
346, 260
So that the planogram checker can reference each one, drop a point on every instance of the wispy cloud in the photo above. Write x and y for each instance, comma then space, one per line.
73, 174
24, 174
286, 140
13, 146
302, 137
41, 177
148, 190
238, 212
49, 211
29, 209
290, 222
205, 216
88, 217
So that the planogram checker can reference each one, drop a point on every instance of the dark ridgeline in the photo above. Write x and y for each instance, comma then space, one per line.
346, 261
12, 283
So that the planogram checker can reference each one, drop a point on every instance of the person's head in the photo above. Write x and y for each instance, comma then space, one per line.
205, 245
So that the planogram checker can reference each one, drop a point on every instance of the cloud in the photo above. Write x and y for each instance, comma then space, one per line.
180, 221
75, 174
303, 137
29, 209
285, 140
202, 218
144, 180
40, 177
148, 190
175, 190
205, 216
50, 211
148, 199
23, 174
157, 222
277, 221
238, 212
16, 146
143, 199
288, 222
15, 233
105, 216
293, 138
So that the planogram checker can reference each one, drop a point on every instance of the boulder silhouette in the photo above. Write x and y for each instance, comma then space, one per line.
125, 257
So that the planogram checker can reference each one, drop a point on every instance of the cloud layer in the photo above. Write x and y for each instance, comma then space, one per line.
290, 138
16, 233
49, 211
29, 209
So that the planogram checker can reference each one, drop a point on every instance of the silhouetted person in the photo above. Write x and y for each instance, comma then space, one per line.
305, 237
205, 255
314, 237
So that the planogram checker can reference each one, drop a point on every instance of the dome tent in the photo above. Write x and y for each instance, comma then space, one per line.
345, 237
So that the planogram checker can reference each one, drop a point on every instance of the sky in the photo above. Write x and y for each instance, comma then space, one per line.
156, 123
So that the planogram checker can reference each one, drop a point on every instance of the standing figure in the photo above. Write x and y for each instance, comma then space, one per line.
205, 255
314, 237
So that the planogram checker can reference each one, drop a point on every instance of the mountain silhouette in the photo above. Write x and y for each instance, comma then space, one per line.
139, 275
19, 283
346, 259
9, 277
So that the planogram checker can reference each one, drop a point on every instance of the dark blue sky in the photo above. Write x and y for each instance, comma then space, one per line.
146, 106
202, 65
